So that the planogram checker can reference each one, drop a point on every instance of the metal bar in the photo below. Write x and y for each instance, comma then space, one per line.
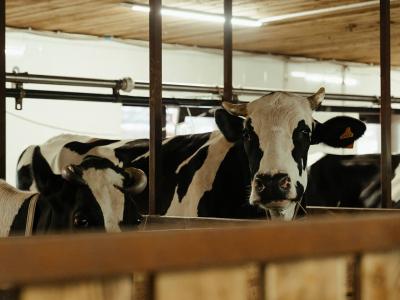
386, 120
155, 104
61, 80
143, 101
228, 50
2, 90
85, 255
141, 85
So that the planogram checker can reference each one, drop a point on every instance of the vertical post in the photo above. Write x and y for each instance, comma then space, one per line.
2, 89
155, 103
386, 113
228, 50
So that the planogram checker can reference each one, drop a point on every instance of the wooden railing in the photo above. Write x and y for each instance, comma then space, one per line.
340, 257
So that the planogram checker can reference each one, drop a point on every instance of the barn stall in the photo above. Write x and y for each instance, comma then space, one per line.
169, 260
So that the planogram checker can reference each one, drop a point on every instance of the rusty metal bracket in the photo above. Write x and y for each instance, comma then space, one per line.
20, 97
116, 94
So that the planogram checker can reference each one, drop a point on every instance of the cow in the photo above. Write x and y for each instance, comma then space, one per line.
94, 195
253, 166
350, 181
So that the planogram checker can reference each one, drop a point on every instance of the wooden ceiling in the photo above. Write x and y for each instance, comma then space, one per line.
349, 35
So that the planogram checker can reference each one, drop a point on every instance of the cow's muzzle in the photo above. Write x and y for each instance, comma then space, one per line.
272, 188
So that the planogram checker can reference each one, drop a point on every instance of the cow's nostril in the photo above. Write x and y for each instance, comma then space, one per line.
284, 183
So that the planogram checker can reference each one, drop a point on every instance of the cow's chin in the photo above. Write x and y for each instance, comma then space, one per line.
278, 204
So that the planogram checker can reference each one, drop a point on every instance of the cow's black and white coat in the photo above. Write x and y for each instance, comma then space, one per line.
350, 181
92, 195
256, 160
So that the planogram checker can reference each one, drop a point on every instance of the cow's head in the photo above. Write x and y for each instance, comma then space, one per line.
95, 194
277, 131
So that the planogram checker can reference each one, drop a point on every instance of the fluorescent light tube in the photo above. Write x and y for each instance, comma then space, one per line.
196, 15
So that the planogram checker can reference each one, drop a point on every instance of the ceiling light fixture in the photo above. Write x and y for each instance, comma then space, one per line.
319, 11
196, 15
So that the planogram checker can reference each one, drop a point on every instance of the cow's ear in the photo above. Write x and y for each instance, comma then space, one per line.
338, 132
46, 181
231, 126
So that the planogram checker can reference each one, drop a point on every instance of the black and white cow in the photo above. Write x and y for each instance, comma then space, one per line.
255, 163
350, 181
92, 195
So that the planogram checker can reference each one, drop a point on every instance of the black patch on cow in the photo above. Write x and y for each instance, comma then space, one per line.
228, 197
346, 181
46, 181
251, 144
24, 178
131, 150
82, 148
230, 126
301, 200
185, 175
19, 223
173, 153
131, 214
301, 142
332, 131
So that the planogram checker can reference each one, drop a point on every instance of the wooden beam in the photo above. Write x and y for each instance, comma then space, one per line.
321, 210
155, 104
2, 90
386, 113
63, 257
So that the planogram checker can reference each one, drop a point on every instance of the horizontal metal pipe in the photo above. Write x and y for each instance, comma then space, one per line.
70, 81
256, 92
144, 101
141, 85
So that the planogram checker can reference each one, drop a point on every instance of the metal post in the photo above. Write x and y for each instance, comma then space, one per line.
2, 90
155, 104
228, 50
386, 144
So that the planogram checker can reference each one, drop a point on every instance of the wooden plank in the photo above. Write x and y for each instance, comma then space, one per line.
87, 255
151, 222
380, 276
311, 279
118, 288
231, 283
351, 35
321, 210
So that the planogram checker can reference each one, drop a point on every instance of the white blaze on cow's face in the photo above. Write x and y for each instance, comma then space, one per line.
106, 186
276, 136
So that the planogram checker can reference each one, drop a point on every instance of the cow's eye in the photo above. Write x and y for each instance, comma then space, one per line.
81, 220
306, 131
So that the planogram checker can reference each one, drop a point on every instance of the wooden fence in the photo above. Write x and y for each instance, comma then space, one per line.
334, 257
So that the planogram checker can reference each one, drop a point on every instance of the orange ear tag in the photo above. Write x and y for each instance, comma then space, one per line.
346, 134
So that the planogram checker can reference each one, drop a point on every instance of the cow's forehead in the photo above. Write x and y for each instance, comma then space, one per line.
279, 109
108, 176
105, 185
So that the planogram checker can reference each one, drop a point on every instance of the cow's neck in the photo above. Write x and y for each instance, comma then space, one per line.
201, 169
13, 204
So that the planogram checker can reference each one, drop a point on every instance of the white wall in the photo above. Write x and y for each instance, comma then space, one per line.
108, 59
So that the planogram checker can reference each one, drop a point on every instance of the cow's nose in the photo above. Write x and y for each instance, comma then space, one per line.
284, 183
271, 182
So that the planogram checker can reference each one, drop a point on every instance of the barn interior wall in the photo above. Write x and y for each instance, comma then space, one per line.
107, 59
